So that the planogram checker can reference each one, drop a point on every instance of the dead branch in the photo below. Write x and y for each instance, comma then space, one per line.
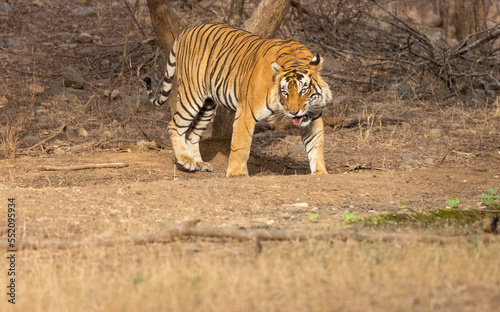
82, 167
61, 130
189, 228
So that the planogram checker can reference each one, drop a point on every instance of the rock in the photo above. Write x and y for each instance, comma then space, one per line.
460, 132
85, 51
105, 62
36, 90
44, 120
62, 104
3, 101
31, 140
405, 92
408, 157
429, 161
405, 126
84, 38
115, 94
87, 11
66, 36
83, 133
59, 151
6, 9
435, 133
10, 42
72, 78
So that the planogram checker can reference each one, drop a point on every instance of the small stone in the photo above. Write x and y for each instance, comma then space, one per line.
300, 205
3, 101
405, 126
83, 133
31, 140
72, 78
407, 156
298, 147
405, 92
66, 36
389, 127
62, 104
87, 11
59, 151
460, 132
115, 94
84, 38
105, 62
429, 161
44, 119
85, 51
36, 90
435, 133
10, 42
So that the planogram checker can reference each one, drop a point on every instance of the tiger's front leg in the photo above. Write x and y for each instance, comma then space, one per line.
313, 138
241, 141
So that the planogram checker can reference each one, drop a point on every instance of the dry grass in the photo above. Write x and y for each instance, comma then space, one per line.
228, 276
8, 141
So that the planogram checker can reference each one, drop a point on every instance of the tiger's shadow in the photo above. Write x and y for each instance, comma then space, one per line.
217, 149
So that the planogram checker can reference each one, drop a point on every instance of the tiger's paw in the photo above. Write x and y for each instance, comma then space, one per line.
318, 171
204, 166
187, 163
236, 174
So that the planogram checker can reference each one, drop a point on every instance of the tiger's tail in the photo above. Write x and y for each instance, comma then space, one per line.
167, 80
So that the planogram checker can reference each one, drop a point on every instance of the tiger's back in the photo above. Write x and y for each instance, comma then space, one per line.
216, 64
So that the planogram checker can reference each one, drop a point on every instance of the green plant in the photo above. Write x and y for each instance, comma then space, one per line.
490, 197
452, 202
349, 217
313, 216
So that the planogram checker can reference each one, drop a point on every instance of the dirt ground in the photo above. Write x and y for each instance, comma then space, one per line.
437, 151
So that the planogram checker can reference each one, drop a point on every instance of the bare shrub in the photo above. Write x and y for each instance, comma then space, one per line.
381, 51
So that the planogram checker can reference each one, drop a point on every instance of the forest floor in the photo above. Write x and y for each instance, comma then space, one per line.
436, 160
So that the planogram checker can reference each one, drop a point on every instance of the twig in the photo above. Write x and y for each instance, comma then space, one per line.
132, 14
61, 130
188, 229
98, 144
82, 167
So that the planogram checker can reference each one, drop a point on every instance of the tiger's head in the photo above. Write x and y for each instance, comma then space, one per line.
302, 92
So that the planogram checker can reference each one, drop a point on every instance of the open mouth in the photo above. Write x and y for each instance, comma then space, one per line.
299, 120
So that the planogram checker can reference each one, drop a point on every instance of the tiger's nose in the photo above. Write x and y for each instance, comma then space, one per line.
293, 112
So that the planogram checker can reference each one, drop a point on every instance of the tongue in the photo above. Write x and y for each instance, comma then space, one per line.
297, 121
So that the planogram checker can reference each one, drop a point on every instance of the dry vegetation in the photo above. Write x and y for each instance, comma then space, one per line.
380, 68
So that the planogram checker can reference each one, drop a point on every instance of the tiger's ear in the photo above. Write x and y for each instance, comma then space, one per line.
277, 69
316, 62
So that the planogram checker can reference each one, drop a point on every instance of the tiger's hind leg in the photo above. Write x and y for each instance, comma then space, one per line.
185, 132
199, 125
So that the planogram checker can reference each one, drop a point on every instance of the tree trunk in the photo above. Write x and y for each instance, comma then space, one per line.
265, 21
463, 17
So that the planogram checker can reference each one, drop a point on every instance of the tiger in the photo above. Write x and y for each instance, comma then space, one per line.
257, 78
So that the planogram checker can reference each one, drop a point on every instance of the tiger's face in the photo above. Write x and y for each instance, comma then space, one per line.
302, 92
